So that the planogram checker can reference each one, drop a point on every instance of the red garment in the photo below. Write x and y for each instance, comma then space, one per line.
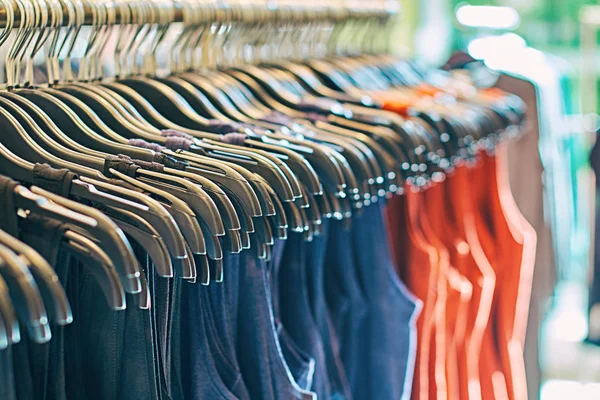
515, 248
416, 263
459, 291
438, 352
475, 267
491, 371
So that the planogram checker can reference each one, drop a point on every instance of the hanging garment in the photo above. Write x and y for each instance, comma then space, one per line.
459, 291
416, 263
267, 230
315, 270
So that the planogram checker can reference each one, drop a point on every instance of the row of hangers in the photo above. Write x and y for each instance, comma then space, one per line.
266, 122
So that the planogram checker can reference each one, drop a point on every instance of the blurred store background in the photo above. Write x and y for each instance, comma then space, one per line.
554, 45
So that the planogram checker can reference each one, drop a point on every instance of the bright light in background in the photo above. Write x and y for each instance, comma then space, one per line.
486, 47
487, 17
509, 52
560, 390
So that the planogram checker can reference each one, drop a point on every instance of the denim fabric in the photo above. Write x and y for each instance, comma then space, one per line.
296, 313
387, 356
223, 302
345, 301
108, 354
215, 303
161, 311
179, 354
201, 377
259, 353
372, 312
273, 267
315, 257
7, 379
39, 369
102, 354
300, 364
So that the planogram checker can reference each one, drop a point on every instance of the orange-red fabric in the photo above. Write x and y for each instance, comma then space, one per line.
515, 249
397, 106
493, 379
478, 270
459, 293
438, 389
416, 262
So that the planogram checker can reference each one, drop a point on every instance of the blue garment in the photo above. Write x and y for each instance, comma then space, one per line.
217, 322
300, 364
315, 260
161, 291
202, 377
376, 315
259, 352
108, 354
39, 368
7, 379
345, 301
296, 313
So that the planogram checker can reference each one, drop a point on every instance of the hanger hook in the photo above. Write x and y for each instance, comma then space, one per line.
140, 14
40, 19
105, 35
52, 62
7, 5
96, 22
175, 53
49, 22
71, 38
125, 28
104, 23
26, 12
165, 16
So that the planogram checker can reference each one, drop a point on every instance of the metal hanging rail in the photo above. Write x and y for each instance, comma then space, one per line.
247, 12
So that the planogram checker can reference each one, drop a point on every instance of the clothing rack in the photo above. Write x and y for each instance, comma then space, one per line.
272, 218
248, 13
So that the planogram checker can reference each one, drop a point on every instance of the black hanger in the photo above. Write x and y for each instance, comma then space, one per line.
160, 104
100, 266
147, 110
277, 176
259, 162
50, 288
93, 224
202, 203
179, 209
20, 169
112, 112
123, 107
188, 224
209, 102
315, 86
153, 212
236, 96
9, 325
222, 173
132, 224
229, 217
25, 294
70, 122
